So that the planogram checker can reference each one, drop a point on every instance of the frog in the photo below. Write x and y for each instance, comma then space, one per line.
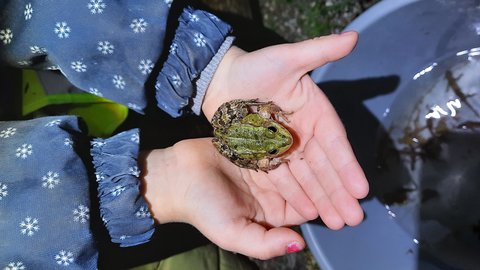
250, 135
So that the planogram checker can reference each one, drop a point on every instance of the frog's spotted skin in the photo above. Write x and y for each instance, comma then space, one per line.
247, 134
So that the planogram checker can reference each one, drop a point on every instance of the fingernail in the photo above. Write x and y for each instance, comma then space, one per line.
347, 33
293, 247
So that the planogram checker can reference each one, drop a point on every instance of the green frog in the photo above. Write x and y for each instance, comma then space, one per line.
249, 134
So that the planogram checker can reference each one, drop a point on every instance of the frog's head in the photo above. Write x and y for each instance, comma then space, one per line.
276, 139
257, 138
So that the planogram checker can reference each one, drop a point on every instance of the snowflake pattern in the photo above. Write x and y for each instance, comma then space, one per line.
50, 180
37, 50
3, 190
173, 48
6, 36
15, 266
53, 68
117, 190
193, 17
98, 143
135, 138
142, 212
64, 258
139, 25
24, 151
168, 2
105, 47
24, 63
175, 79
95, 91
213, 17
81, 214
62, 30
134, 171
119, 82
28, 11
199, 40
96, 6
134, 106
7, 133
78, 66
145, 66
68, 142
29, 226
53, 123
99, 177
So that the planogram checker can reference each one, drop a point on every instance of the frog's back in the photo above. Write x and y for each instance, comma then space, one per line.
232, 156
228, 113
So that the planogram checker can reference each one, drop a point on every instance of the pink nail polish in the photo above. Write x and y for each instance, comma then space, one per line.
293, 247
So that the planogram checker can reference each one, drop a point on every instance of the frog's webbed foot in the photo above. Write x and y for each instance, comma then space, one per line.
269, 108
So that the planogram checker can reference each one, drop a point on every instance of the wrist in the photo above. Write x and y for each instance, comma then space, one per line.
175, 179
157, 185
217, 92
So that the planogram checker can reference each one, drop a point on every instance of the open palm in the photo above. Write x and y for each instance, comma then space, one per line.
323, 176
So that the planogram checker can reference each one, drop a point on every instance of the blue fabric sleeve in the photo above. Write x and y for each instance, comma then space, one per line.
123, 210
110, 48
48, 206
45, 206
198, 38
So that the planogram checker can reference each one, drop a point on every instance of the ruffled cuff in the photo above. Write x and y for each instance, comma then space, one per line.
197, 40
124, 211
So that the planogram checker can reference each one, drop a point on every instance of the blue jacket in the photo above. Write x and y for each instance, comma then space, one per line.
49, 166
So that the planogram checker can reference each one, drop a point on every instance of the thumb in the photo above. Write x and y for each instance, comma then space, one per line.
310, 54
258, 242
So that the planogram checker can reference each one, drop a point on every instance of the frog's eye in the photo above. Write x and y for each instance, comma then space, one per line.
272, 129
273, 152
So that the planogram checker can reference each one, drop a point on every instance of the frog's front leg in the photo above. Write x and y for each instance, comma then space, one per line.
268, 109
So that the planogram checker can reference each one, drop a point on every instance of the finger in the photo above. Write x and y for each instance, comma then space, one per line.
309, 182
272, 217
346, 205
291, 191
292, 217
331, 136
254, 240
274, 208
313, 53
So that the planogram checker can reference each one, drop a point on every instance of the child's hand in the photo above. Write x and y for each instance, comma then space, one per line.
323, 176
238, 210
